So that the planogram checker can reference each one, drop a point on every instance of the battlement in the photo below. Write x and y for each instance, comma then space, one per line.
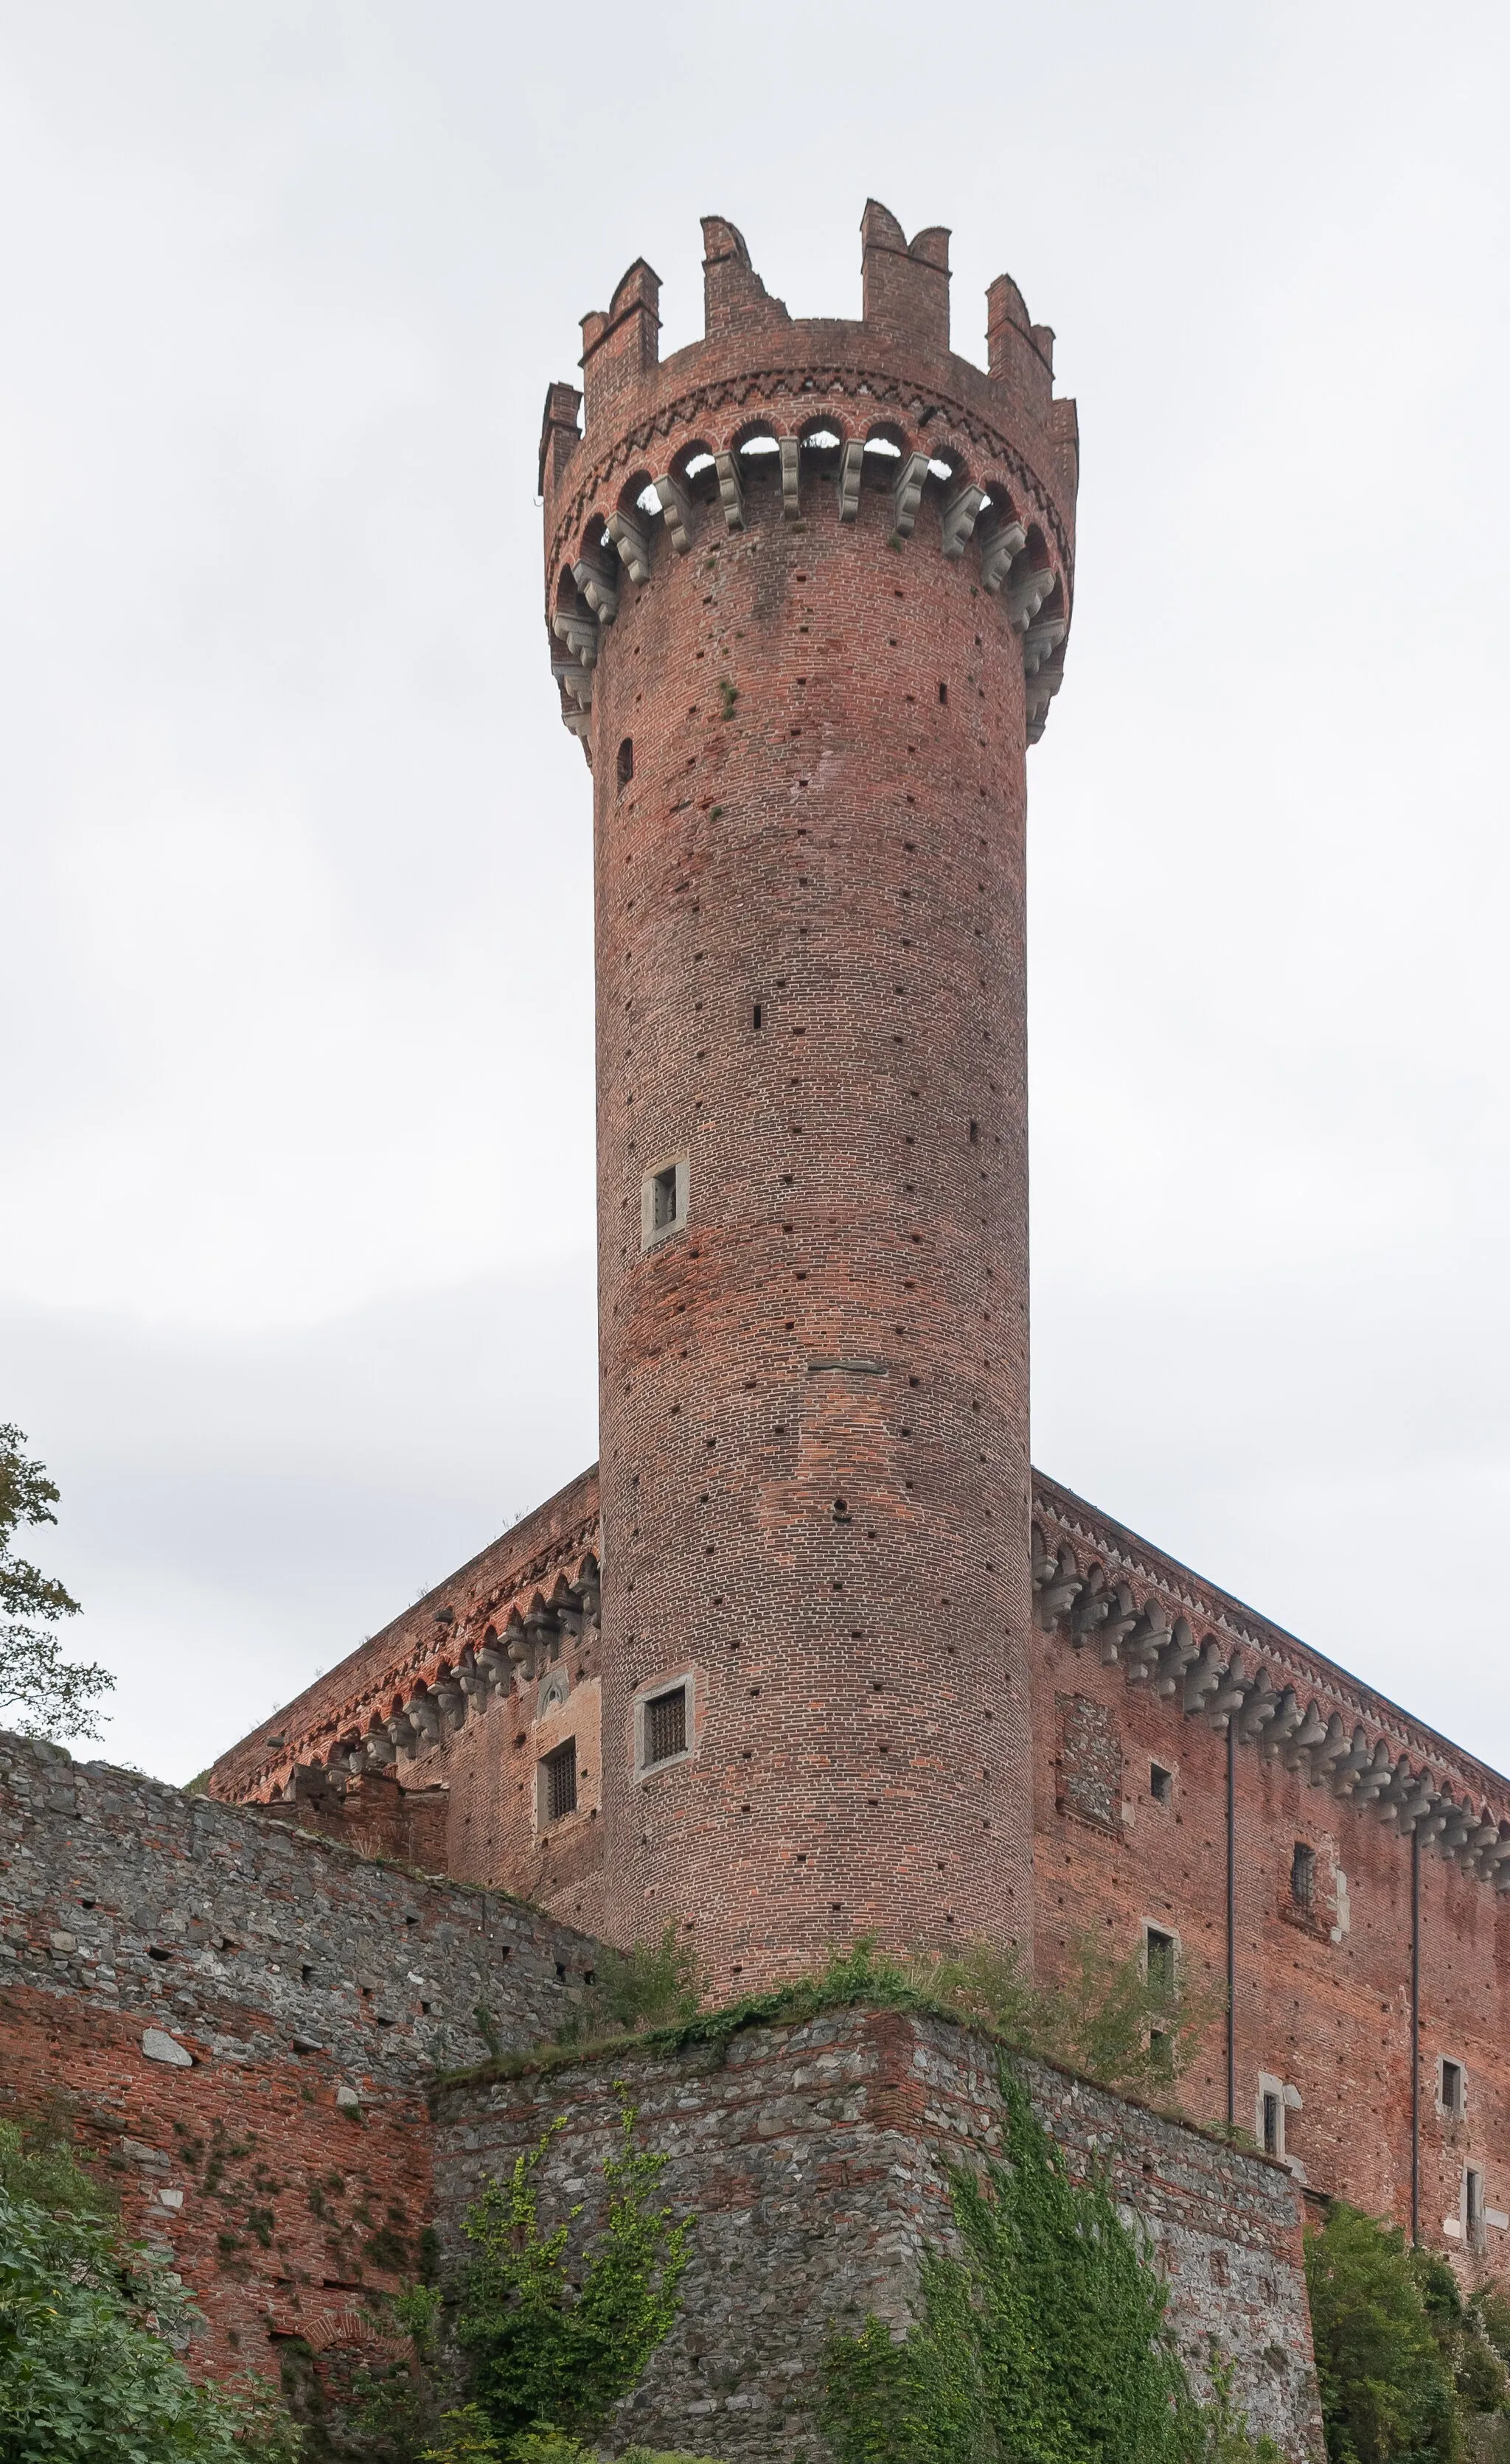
774, 418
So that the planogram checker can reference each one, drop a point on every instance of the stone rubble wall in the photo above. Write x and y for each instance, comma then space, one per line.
243, 2022
813, 2160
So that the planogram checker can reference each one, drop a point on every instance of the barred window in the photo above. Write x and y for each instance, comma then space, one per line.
666, 1725
558, 1783
1302, 1877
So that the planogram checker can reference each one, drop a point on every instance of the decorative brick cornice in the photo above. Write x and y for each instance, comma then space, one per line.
491, 1624
1104, 1590
694, 472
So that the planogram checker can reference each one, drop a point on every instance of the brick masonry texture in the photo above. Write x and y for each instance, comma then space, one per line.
813, 2160
289, 1972
925, 1686
807, 732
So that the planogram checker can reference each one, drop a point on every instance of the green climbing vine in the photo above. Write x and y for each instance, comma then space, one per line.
556, 2335
1043, 2342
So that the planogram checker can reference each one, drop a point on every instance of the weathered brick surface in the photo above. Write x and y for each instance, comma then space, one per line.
809, 976
1323, 2001
808, 737
292, 1972
813, 2160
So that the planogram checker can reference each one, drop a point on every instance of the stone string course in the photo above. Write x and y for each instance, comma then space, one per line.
813, 2160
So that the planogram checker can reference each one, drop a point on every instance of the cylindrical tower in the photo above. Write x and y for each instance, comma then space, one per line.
807, 585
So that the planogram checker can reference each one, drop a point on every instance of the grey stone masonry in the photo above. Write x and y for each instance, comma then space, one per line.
813, 2161
119, 1892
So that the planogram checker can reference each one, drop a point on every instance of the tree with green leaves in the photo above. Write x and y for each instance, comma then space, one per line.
1382, 2325
41, 1693
87, 2372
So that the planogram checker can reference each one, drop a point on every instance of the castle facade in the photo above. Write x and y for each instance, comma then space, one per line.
812, 1652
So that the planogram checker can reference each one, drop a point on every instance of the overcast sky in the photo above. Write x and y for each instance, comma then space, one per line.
296, 1279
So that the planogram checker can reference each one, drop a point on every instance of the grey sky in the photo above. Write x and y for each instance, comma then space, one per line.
295, 1282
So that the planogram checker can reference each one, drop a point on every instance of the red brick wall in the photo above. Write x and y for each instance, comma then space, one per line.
824, 821
305, 1998
1323, 2001
281, 2212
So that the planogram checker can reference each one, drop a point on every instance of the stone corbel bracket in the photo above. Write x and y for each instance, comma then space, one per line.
1103, 1592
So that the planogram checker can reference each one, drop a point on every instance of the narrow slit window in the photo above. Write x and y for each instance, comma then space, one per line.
1474, 2206
1302, 1877
944, 696
626, 761
1452, 2092
1160, 1957
1160, 1784
666, 1725
1272, 2124
757, 1017
558, 1783
975, 1133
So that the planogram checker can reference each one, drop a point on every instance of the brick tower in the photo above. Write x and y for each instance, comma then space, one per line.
808, 588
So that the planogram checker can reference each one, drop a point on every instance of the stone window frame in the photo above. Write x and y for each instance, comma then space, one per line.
652, 1233
555, 1692
1472, 2210
1165, 1933
545, 1820
690, 1680
1288, 2100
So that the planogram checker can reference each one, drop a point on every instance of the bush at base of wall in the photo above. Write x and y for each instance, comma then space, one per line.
1045, 2339
88, 2374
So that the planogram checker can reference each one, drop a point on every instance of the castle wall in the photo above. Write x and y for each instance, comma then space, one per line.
1322, 2005
813, 2160
243, 2022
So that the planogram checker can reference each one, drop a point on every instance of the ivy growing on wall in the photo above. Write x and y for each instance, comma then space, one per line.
558, 2336
1042, 2342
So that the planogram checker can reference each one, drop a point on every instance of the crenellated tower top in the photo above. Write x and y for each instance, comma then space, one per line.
775, 416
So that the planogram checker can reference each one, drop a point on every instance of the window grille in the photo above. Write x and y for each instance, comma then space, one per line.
666, 1725
1302, 1877
1272, 2124
558, 1782
1451, 2087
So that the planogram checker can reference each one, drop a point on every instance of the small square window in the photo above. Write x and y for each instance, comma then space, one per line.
663, 1203
1302, 1877
1160, 1784
666, 1725
1450, 2092
558, 1783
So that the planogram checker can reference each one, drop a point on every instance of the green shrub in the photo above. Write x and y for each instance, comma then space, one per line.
1388, 2394
472, 2442
1043, 2343
651, 1985
1109, 2020
85, 2374
557, 2336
